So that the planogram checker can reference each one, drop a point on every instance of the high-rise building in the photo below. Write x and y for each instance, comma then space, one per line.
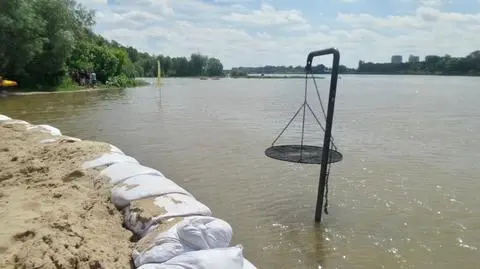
413, 59
397, 59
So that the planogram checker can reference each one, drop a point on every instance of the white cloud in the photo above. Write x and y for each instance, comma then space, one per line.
424, 17
267, 15
427, 31
432, 2
91, 3
241, 36
233, 1
160, 7
131, 19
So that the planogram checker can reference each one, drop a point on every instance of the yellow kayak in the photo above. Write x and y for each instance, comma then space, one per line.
8, 83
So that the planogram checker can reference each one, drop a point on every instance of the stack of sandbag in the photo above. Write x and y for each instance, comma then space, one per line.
7, 121
108, 159
218, 258
189, 243
119, 172
185, 235
143, 214
174, 229
4, 118
141, 187
46, 129
144, 195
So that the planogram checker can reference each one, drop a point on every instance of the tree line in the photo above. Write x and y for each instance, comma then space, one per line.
43, 42
432, 65
271, 69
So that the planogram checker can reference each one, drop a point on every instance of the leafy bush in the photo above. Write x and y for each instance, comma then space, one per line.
122, 81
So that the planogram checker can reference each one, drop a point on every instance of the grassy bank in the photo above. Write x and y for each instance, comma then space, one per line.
69, 86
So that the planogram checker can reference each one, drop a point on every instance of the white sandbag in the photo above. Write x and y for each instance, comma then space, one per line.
114, 149
4, 118
63, 139
190, 234
46, 129
69, 139
141, 187
248, 265
108, 159
11, 122
119, 172
141, 215
218, 258
48, 141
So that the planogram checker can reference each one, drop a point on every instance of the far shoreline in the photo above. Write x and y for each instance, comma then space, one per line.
19, 92
24, 93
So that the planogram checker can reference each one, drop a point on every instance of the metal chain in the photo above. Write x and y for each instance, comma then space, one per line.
325, 207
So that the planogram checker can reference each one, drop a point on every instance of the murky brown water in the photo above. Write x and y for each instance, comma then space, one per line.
405, 195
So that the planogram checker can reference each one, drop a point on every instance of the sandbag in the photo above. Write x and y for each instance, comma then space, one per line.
108, 159
63, 139
141, 215
4, 118
141, 187
248, 265
190, 234
46, 129
119, 172
114, 149
218, 258
11, 122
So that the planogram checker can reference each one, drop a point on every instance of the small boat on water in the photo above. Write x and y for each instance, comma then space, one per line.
7, 83
203, 78
4, 83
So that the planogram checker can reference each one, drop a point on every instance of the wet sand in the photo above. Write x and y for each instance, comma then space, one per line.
53, 213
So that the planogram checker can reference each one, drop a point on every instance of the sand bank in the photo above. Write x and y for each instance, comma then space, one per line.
67, 203
53, 213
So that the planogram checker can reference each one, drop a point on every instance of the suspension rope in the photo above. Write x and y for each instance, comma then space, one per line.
285, 128
318, 95
321, 126
304, 106
303, 119
323, 110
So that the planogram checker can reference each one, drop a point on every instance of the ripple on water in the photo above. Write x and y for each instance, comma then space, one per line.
403, 197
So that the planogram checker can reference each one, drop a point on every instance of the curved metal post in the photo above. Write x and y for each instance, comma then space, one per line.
329, 122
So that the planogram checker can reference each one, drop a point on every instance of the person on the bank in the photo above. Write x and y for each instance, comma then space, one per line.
93, 79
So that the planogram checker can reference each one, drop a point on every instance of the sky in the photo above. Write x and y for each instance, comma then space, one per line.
283, 32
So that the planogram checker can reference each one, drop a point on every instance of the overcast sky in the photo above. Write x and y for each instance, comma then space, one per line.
282, 32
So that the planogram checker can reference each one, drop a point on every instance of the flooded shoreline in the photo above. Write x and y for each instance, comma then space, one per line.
403, 196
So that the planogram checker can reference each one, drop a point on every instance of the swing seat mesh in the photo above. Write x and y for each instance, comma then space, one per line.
302, 154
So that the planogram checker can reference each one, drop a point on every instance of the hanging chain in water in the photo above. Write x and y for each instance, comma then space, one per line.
325, 207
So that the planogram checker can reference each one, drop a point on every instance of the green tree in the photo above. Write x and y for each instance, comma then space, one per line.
20, 39
214, 67
198, 64
43, 41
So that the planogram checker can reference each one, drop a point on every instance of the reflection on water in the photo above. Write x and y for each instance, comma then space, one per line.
403, 197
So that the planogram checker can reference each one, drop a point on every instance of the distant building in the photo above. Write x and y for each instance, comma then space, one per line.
397, 59
413, 59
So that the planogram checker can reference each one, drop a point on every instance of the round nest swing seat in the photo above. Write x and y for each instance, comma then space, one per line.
302, 154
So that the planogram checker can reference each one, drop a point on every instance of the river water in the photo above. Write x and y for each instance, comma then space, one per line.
405, 195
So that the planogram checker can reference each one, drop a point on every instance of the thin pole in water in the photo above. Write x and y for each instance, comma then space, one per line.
328, 127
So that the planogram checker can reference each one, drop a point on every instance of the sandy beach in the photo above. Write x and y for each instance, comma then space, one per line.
53, 213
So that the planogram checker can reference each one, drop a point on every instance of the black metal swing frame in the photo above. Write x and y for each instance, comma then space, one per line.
325, 155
